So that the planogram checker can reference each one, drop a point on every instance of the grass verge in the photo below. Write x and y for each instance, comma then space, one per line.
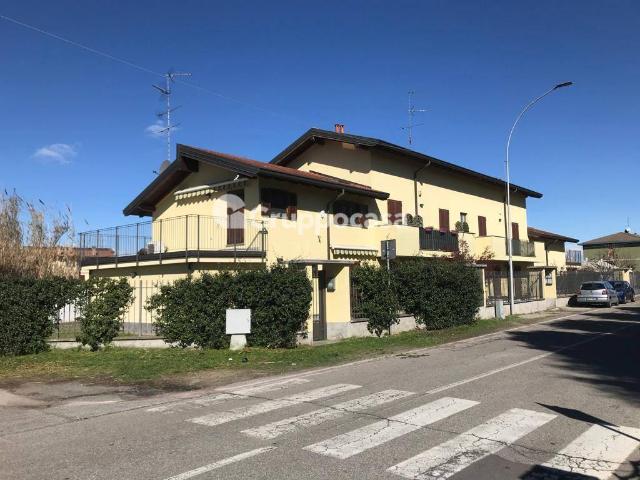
137, 365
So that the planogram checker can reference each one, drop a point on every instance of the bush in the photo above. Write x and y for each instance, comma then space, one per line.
438, 293
378, 299
279, 298
28, 308
101, 304
192, 311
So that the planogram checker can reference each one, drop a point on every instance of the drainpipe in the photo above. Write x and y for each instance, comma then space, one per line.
328, 210
415, 186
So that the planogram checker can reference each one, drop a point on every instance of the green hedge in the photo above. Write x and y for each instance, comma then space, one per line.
438, 293
101, 304
192, 311
28, 309
378, 297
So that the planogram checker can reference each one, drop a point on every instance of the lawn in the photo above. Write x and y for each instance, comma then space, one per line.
137, 365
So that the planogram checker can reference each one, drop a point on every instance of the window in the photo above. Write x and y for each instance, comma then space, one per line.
482, 226
463, 217
278, 203
350, 213
444, 220
394, 212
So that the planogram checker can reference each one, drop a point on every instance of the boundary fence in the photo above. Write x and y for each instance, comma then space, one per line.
527, 286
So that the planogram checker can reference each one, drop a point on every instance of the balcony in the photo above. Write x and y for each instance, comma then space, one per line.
573, 257
522, 248
188, 237
438, 241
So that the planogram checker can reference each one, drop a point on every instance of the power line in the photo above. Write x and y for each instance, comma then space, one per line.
143, 69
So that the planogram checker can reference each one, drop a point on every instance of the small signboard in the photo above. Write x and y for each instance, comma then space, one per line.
238, 321
388, 249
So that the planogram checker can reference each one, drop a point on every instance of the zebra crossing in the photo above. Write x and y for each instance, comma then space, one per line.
596, 453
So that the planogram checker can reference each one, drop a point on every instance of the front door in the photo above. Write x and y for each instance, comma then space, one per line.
318, 304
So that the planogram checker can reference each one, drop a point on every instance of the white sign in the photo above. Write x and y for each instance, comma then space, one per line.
238, 321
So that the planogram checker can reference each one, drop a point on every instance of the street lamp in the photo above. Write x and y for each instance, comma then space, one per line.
508, 186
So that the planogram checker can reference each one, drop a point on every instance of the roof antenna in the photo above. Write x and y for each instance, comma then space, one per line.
412, 111
169, 79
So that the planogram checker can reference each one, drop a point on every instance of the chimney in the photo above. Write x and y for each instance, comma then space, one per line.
339, 128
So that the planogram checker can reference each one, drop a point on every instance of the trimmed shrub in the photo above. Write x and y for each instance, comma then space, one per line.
28, 308
378, 298
438, 293
101, 304
191, 311
279, 298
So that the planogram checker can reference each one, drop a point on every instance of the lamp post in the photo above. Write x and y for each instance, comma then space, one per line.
508, 186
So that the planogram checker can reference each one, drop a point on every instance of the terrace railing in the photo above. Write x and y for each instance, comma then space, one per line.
188, 235
436, 240
573, 257
522, 248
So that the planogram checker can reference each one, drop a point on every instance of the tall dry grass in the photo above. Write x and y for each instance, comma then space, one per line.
34, 242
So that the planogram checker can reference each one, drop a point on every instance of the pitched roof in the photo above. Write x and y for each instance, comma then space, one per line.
537, 233
188, 160
313, 135
619, 238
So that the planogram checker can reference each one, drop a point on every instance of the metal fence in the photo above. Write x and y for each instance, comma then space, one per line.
166, 237
136, 321
573, 257
527, 286
436, 240
568, 283
356, 303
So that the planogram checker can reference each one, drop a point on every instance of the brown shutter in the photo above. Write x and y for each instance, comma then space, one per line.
444, 220
482, 226
394, 211
515, 231
292, 212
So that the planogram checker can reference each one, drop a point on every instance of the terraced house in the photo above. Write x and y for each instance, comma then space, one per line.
326, 202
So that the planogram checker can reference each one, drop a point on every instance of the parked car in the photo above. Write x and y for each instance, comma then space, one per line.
603, 293
625, 291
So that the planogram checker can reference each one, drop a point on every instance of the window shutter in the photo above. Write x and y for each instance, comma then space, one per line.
394, 211
292, 212
515, 231
444, 220
482, 226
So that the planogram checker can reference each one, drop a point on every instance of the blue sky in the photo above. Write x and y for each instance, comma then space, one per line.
74, 124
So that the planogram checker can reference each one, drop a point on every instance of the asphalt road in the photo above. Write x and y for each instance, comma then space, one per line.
533, 403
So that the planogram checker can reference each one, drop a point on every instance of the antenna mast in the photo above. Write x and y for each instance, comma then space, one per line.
412, 111
166, 91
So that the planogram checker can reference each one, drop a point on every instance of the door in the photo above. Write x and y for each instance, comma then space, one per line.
235, 218
318, 304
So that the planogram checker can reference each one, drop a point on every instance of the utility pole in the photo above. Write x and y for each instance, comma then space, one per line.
166, 92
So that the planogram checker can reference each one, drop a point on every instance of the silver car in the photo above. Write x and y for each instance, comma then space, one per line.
597, 293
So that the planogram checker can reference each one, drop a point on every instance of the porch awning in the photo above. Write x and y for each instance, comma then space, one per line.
209, 189
354, 251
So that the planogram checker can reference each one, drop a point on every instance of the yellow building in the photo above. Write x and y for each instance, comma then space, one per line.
621, 249
325, 202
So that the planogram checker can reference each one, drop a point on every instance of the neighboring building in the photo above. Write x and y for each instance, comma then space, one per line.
325, 202
622, 249
554, 253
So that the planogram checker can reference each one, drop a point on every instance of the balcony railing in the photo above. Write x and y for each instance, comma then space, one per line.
186, 236
522, 248
574, 257
436, 240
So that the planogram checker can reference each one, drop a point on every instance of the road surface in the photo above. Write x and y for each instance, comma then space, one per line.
554, 400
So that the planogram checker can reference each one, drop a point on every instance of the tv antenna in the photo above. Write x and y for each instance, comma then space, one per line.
412, 112
166, 91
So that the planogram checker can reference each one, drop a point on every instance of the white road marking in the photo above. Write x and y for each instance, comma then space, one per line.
375, 434
452, 456
226, 394
598, 452
291, 424
270, 405
220, 463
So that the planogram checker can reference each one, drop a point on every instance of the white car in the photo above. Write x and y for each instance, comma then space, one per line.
601, 293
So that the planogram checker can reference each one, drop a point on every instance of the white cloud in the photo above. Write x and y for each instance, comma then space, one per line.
155, 129
60, 153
